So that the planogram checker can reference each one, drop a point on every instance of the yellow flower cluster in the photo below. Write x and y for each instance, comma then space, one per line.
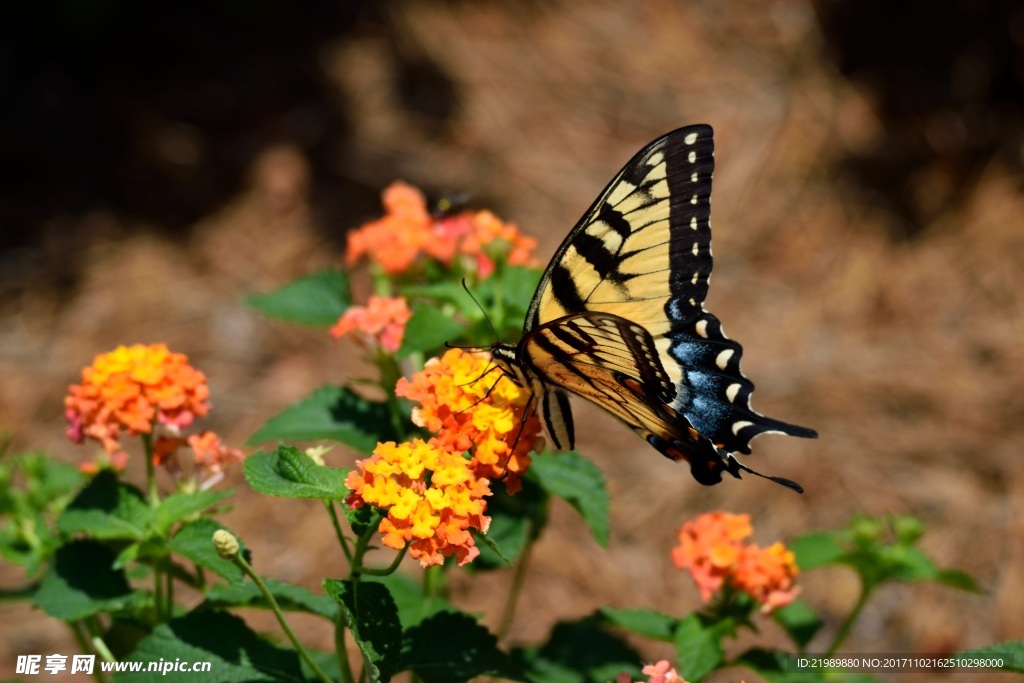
432, 492
431, 496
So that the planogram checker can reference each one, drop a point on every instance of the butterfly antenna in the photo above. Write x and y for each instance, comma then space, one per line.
788, 483
486, 317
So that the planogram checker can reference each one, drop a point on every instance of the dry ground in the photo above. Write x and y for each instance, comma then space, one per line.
905, 355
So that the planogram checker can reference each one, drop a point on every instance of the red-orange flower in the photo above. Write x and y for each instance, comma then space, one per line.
129, 390
408, 230
382, 319
711, 547
431, 496
662, 672
469, 406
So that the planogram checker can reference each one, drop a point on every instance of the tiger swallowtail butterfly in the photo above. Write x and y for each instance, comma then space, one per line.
618, 318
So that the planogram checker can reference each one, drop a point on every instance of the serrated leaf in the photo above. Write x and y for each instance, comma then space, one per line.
580, 483
331, 412
81, 582
413, 606
799, 621
317, 300
454, 647
288, 597
1012, 654
235, 653
194, 540
107, 509
427, 330
646, 623
290, 473
178, 507
698, 649
818, 549
372, 618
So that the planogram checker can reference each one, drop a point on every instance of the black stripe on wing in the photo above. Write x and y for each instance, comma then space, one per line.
715, 395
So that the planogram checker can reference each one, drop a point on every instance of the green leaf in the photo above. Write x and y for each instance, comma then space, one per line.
454, 647
909, 564
646, 623
698, 649
958, 579
1012, 654
178, 507
290, 473
372, 617
235, 653
317, 300
427, 330
289, 597
331, 412
413, 606
495, 555
107, 509
81, 582
818, 549
579, 652
799, 620
194, 541
580, 483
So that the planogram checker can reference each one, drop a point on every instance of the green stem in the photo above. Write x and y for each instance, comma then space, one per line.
78, 630
844, 629
240, 561
390, 569
96, 638
342, 539
390, 373
154, 493
340, 649
513, 593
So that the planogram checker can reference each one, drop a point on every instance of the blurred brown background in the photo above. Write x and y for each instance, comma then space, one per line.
158, 164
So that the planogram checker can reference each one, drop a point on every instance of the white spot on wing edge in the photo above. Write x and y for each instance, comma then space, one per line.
693, 223
737, 426
722, 361
702, 328
656, 159
692, 157
696, 249
690, 139
731, 391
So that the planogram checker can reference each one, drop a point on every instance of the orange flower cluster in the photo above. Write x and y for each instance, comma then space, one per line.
129, 390
432, 498
382, 319
662, 672
711, 547
408, 229
470, 408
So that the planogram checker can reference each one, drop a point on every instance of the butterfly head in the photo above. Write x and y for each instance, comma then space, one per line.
504, 356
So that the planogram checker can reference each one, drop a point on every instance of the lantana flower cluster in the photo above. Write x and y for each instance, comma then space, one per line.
432, 492
711, 547
408, 230
134, 389
432, 499
469, 406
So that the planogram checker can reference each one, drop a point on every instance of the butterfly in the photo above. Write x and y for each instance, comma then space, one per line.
618, 318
